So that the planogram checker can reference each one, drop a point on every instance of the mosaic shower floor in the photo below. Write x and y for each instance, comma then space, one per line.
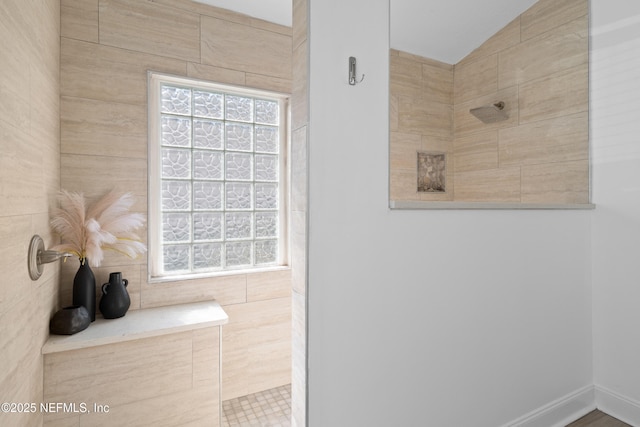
269, 408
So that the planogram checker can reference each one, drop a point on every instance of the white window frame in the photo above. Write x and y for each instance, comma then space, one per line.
156, 272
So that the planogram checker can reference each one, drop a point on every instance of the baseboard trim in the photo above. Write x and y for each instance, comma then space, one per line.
560, 412
617, 405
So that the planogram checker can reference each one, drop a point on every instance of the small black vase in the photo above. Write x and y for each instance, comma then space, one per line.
115, 299
69, 320
84, 288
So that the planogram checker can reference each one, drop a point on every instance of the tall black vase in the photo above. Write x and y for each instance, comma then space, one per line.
84, 289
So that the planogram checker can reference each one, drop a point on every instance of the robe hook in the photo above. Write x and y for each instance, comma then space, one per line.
352, 72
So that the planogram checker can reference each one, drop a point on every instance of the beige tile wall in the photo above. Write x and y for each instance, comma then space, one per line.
29, 181
537, 65
160, 381
299, 148
421, 119
107, 47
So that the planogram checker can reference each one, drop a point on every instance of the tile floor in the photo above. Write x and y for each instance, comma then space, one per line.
272, 408
269, 408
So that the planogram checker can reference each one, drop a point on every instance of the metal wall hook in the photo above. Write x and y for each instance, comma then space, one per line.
352, 72
38, 257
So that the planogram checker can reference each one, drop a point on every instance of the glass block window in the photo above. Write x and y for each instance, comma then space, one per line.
217, 180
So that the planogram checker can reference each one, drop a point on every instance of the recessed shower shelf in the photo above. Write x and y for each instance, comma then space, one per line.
414, 205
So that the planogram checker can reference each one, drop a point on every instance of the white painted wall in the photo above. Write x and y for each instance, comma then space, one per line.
425, 318
615, 132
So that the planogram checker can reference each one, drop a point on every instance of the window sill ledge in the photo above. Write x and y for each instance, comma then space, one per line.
409, 205
223, 273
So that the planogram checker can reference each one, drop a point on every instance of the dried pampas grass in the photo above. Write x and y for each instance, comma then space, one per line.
106, 224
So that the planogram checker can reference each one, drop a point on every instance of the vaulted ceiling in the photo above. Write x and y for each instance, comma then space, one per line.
448, 30
445, 30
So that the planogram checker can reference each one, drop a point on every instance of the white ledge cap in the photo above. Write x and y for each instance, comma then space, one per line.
144, 323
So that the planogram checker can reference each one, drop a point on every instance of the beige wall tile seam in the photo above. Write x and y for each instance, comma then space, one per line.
555, 74
585, 108
520, 28
62, 38
193, 75
576, 18
173, 58
200, 27
460, 65
71, 97
202, 9
255, 23
520, 183
300, 43
578, 158
242, 19
254, 300
104, 156
271, 27
550, 76
422, 98
498, 68
244, 73
400, 132
78, 39
421, 59
469, 134
518, 121
545, 163
253, 73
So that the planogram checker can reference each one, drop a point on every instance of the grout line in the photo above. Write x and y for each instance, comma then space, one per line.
267, 408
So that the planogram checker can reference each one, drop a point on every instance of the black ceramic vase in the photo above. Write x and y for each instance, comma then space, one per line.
115, 299
84, 288
70, 320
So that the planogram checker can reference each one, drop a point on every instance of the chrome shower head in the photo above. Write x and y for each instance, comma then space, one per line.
490, 113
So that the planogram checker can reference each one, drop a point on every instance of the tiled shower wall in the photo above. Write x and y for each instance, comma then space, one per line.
537, 65
421, 119
299, 148
29, 181
107, 47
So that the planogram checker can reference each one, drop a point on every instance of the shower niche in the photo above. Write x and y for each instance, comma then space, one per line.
504, 127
